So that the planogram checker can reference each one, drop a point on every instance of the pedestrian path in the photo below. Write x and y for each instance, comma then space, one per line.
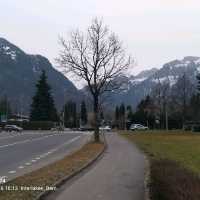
119, 175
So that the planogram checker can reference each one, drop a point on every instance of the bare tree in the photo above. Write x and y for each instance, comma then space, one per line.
181, 95
161, 96
97, 57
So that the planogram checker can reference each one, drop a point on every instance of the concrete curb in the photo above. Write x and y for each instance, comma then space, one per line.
62, 181
147, 179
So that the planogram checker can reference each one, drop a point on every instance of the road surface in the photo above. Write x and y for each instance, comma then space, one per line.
24, 152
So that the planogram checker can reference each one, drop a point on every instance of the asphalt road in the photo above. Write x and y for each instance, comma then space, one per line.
24, 152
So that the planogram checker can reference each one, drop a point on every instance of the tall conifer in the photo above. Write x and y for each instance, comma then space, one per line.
43, 107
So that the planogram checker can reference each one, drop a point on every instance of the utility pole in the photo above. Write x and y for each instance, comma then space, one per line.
21, 109
64, 111
7, 110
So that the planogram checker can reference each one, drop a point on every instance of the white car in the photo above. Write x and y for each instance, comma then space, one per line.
105, 128
138, 127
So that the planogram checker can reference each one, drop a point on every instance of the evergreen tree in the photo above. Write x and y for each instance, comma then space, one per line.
129, 116
117, 113
84, 117
195, 102
198, 82
101, 116
195, 107
117, 116
145, 113
129, 113
43, 107
70, 117
122, 116
5, 108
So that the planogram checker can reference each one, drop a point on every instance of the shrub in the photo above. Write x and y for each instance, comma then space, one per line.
170, 181
187, 127
196, 128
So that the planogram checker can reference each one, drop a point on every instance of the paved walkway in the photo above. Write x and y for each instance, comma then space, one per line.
119, 175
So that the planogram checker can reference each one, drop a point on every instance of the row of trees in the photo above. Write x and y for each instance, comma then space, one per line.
120, 116
168, 107
165, 108
72, 118
43, 107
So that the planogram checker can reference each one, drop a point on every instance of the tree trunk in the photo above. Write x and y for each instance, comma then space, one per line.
96, 119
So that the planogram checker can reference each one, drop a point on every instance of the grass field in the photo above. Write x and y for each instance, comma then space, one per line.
174, 163
177, 145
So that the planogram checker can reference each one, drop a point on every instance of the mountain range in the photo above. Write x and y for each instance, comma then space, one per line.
19, 73
135, 88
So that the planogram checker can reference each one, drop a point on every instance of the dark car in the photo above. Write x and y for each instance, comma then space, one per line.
13, 128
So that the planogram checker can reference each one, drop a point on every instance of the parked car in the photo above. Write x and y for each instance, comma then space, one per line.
105, 128
13, 128
57, 128
86, 128
138, 127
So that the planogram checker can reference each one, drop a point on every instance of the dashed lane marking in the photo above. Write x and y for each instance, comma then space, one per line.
25, 141
12, 136
45, 154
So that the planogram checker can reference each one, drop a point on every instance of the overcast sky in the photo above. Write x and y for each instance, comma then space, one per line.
153, 31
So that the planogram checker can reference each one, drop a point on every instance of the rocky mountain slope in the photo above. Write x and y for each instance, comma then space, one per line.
19, 73
137, 87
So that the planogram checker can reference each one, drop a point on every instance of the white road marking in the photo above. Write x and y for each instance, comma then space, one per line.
12, 144
66, 143
25, 141
45, 154
11, 136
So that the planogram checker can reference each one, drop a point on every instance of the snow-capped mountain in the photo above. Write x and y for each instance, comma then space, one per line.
20, 71
172, 71
137, 87
142, 76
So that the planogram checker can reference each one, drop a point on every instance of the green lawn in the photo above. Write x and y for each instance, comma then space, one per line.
180, 146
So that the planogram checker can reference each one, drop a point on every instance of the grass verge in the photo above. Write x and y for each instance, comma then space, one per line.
45, 178
170, 181
174, 163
